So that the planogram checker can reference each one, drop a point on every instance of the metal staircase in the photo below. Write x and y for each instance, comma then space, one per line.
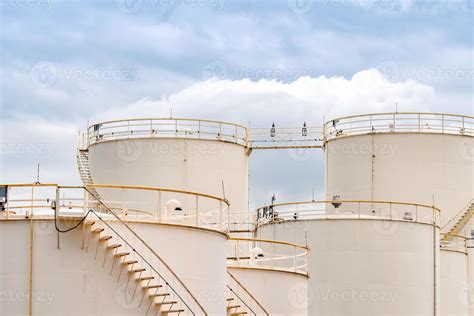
454, 226
240, 301
147, 279
84, 169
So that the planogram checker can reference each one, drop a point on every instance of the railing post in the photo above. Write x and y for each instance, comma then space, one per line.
390, 211
221, 223
419, 123
197, 210
416, 213
237, 253
8, 202
272, 255
294, 259
159, 207
32, 199
442, 124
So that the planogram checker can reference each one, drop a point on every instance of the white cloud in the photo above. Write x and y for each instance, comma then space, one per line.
265, 101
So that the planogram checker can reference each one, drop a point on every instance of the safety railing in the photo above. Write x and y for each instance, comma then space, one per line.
453, 243
457, 219
164, 127
286, 137
348, 209
403, 122
240, 300
159, 205
267, 254
69, 203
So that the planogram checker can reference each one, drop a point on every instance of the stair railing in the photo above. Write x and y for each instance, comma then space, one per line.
452, 222
251, 305
197, 309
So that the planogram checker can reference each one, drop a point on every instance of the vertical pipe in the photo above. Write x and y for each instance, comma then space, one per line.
197, 210
159, 207
30, 298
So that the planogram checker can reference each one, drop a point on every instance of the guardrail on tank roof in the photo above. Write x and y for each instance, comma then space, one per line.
160, 205
267, 254
401, 122
348, 209
164, 128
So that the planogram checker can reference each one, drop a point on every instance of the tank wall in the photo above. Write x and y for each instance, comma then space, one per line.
402, 167
365, 267
185, 164
454, 285
72, 281
281, 293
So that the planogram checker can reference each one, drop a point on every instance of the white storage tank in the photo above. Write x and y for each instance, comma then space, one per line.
416, 157
455, 288
194, 155
363, 262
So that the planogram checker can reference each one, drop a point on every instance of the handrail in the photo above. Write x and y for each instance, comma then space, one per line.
247, 292
270, 241
145, 188
461, 212
451, 242
151, 250
167, 119
349, 201
340, 209
164, 127
261, 254
399, 122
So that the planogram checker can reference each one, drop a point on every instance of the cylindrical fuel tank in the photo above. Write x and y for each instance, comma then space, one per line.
366, 266
195, 155
412, 157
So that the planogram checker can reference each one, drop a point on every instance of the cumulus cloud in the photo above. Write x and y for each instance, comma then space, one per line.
266, 101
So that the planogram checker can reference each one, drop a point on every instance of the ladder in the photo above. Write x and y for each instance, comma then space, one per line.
454, 226
83, 168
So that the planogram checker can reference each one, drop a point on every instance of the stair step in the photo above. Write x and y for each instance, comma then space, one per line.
233, 306
114, 246
230, 299
105, 238
166, 303
127, 263
172, 311
150, 287
159, 295
145, 278
122, 254
97, 231
137, 270
239, 313
89, 223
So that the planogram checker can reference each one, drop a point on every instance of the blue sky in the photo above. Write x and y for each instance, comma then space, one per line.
66, 62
